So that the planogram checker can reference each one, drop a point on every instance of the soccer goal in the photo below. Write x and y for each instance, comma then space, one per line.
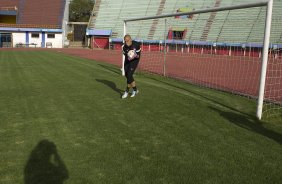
233, 48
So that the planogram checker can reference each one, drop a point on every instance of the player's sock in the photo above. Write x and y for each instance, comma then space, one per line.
127, 89
135, 88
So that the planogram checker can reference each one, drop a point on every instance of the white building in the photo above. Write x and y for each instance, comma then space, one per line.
33, 23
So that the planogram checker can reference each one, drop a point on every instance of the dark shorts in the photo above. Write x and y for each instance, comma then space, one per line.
129, 68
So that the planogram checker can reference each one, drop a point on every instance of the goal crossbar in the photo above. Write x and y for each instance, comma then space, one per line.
207, 10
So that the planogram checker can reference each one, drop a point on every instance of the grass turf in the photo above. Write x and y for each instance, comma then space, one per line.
171, 132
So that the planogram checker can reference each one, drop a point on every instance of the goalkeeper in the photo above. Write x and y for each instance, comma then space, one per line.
131, 50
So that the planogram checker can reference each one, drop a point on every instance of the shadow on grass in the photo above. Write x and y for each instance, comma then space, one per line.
201, 96
249, 123
110, 84
111, 69
235, 116
45, 166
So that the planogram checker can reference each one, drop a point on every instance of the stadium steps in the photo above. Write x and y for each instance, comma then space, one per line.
198, 27
155, 21
95, 11
209, 22
255, 32
76, 44
114, 35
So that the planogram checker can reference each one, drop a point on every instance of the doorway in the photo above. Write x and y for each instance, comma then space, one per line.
5, 40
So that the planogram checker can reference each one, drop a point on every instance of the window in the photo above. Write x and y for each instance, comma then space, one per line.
50, 35
178, 35
34, 35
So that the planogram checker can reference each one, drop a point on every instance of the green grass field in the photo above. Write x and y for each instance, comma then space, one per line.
171, 133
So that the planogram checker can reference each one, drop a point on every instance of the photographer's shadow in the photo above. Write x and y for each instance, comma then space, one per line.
45, 166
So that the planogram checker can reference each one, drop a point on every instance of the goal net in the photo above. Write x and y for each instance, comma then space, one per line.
219, 48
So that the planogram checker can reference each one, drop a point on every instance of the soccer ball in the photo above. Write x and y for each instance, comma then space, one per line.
131, 54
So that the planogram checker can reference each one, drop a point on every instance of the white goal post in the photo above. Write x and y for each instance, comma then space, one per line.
266, 40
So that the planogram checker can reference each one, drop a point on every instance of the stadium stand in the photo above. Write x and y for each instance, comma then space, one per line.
109, 15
